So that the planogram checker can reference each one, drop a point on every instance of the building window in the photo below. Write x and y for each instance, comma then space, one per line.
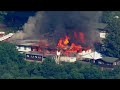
99, 62
27, 55
35, 56
114, 63
32, 56
108, 64
18, 47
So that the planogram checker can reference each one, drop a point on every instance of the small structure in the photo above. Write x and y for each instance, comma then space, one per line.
108, 62
102, 32
34, 56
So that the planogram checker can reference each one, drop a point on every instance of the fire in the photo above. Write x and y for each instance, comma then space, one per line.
76, 47
67, 47
73, 48
60, 43
75, 35
82, 39
66, 41
79, 36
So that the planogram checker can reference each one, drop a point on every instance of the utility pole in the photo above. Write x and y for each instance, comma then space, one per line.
58, 56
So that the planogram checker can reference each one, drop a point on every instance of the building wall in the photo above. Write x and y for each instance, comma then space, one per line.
67, 59
2, 34
102, 35
89, 55
23, 49
34, 57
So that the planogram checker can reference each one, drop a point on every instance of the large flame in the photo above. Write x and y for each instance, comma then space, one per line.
73, 48
65, 45
60, 43
66, 41
82, 39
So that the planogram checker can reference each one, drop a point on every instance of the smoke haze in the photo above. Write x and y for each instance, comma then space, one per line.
61, 23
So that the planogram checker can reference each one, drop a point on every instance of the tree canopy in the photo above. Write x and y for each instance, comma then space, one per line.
112, 41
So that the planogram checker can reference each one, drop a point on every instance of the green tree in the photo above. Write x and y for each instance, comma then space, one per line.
7, 76
9, 53
10, 60
48, 68
13, 66
112, 41
75, 74
2, 16
91, 72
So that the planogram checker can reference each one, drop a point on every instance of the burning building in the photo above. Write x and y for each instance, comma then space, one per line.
72, 32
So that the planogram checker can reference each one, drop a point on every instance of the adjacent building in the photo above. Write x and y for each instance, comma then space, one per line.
107, 62
34, 56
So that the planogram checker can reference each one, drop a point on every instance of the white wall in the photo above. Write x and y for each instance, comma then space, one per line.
6, 36
2, 32
23, 49
102, 35
67, 59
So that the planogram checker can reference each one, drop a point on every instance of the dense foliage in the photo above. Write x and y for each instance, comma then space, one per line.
2, 16
112, 42
13, 66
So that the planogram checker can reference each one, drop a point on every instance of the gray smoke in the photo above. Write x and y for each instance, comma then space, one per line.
60, 23
33, 25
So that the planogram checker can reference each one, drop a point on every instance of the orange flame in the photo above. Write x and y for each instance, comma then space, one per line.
82, 39
66, 41
73, 48
60, 43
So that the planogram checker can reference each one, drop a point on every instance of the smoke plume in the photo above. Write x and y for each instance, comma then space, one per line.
61, 23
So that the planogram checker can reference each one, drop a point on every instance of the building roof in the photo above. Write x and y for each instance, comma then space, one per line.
24, 42
34, 53
93, 55
101, 25
6, 36
109, 59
